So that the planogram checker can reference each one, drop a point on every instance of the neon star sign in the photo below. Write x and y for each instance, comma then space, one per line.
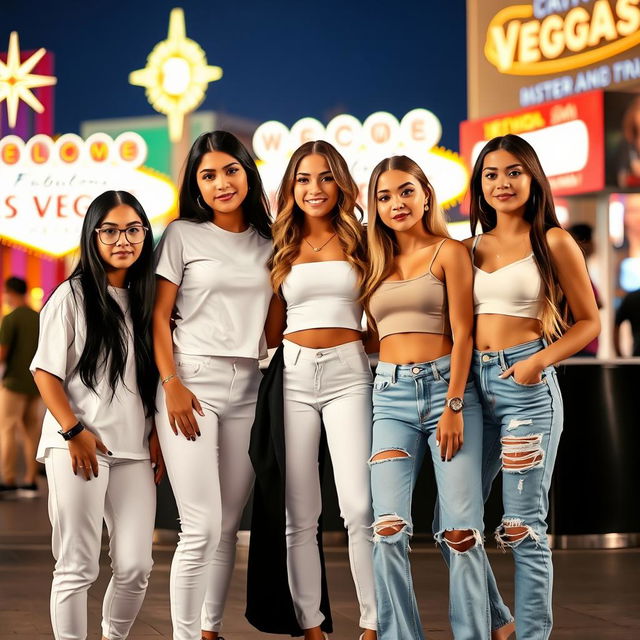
16, 80
176, 75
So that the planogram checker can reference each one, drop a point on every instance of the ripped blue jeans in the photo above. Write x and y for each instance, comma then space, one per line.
408, 401
522, 427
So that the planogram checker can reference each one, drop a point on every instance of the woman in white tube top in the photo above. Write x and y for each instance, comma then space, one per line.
317, 271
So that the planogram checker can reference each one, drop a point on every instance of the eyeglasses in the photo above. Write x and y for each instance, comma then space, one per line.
111, 235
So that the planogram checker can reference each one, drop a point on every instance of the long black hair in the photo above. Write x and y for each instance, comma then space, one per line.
255, 206
540, 213
106, 342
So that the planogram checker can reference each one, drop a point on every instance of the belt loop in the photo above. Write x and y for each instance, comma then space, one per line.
503, 362
394, 377
434, 371
298, 352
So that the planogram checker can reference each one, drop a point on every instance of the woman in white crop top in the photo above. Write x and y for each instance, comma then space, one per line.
213, 282
529, 273
317, 271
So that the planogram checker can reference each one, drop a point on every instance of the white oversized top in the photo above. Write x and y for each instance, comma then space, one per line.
118, 421
322, 295
224, 288
515, 289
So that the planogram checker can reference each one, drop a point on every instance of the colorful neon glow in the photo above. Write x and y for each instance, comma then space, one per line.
16, 80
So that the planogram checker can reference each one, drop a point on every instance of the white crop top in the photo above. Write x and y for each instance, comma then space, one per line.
321, 295
513, 290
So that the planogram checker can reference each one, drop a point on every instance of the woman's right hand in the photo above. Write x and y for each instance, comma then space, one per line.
82, 449
180, 406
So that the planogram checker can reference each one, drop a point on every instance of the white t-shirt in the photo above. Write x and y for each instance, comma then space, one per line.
119, 421
224, 289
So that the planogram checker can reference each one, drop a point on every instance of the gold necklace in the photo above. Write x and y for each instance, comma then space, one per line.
321, 246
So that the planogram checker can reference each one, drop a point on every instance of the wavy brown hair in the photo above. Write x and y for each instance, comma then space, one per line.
287, 227
540, 213
382, 245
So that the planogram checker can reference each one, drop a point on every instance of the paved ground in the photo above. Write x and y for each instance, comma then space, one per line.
597, 593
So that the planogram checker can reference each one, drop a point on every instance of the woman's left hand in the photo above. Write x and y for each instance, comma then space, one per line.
155, 453
449, 434
527, 371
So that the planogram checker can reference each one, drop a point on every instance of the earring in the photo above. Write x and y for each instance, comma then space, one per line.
201, 203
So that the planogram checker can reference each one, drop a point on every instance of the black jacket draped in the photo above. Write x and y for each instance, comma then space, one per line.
269, 603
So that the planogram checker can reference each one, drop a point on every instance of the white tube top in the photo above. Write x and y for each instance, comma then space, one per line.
322, 295
516, 289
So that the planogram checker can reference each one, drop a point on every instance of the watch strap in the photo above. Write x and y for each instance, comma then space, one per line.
73, 432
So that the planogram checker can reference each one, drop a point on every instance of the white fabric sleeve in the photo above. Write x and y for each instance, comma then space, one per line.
57, 332
170, 254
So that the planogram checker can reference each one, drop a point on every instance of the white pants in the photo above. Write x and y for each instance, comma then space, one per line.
332, 385
125, 496
211, 480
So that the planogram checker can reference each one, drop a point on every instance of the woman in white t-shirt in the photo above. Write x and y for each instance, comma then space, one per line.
95, 371
212, 279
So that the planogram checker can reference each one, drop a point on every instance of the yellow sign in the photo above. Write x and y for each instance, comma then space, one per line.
176, 75
518, 43
16, 80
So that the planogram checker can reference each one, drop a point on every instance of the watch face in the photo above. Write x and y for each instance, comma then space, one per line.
456, 404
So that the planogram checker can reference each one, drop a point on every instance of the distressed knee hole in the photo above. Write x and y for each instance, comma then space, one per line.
388, 454
512, 531
521, 453
389, 525
460, 540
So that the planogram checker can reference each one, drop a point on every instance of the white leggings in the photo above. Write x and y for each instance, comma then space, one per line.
211, 480
125, 496
333, 386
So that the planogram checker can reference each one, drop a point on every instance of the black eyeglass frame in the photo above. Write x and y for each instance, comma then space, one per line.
120, 232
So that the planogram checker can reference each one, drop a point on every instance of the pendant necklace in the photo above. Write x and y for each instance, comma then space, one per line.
321, 246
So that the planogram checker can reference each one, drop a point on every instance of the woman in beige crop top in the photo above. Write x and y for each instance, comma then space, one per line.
418, 294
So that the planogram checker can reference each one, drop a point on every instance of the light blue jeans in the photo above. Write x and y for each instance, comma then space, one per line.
522, 427
408, 401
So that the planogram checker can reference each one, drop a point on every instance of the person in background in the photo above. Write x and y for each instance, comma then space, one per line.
21, 408
629, 309
583, 234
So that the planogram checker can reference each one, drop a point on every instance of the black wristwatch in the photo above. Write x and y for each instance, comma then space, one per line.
73, 432
455, 404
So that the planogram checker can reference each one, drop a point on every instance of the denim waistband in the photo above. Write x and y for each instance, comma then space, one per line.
432, 370
296, 352
517, 352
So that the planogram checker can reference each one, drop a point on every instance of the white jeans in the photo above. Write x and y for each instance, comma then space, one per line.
333, 386
211, 480
125, 496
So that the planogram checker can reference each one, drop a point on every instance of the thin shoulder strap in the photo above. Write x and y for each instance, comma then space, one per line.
435, 255
475, 244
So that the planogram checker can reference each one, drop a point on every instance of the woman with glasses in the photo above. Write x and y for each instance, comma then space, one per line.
95, 371
212, 280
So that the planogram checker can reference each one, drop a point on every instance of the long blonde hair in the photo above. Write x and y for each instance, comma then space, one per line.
287, 227
382, 246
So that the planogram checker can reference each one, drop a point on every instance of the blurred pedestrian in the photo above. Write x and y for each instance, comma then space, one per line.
21, 407
629, 309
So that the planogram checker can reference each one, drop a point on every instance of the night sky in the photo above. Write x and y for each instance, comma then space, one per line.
281, 60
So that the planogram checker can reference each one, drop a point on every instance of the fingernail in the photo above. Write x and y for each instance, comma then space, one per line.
109, 452
198, 434
437, 443
442, 459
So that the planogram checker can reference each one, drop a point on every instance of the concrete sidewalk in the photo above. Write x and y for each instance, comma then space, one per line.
597, 593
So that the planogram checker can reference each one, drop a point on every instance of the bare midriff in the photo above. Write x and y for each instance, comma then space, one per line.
494, 331
410, 348
323, 338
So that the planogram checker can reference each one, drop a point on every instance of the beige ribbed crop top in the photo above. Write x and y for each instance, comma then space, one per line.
417, 305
